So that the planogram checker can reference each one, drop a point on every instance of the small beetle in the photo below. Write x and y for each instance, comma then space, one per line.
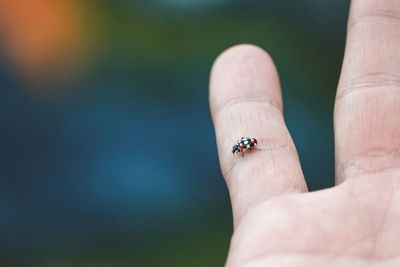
244, 144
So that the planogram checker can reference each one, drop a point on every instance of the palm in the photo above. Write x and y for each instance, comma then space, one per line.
354, 224
277, 222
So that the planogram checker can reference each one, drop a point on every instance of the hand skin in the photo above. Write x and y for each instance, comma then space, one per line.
277, 222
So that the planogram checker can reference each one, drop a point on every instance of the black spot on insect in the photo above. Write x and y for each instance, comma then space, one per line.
244, 144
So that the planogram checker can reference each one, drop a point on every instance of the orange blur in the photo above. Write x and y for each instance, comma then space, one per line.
44, 39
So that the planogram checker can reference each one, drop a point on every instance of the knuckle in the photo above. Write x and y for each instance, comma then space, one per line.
372, 161
391, 14
372, 80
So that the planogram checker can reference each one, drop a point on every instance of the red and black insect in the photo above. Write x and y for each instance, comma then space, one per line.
244, 144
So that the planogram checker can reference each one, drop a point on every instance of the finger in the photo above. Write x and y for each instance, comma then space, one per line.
367, 109
245, 100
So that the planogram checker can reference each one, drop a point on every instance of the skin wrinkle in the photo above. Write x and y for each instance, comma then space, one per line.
336, 255
276, 145
371, 112
239, 163
373, 16
351, 259
240, 225
372, 80
381, 227
373, 153
289, 186
386, 211
376, 230
273, 143
255, 98
354, 199
355, 243
254, 206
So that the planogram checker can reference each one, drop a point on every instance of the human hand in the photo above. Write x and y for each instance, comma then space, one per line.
276, 221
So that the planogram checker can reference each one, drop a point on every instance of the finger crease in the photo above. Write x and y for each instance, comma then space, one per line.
382, 15
373, 161
248, 100
273, 145
376, 80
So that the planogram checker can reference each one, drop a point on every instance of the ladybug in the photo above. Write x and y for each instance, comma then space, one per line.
244, 144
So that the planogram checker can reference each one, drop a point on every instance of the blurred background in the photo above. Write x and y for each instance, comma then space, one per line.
108, 154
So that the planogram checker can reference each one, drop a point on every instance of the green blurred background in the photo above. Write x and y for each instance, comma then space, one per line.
108, 155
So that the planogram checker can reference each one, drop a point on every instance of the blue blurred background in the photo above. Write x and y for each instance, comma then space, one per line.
108, 154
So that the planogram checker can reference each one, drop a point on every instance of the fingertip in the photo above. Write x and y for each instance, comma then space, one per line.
240, 50
241, 71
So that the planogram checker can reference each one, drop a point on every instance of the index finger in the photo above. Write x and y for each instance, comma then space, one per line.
246, 101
